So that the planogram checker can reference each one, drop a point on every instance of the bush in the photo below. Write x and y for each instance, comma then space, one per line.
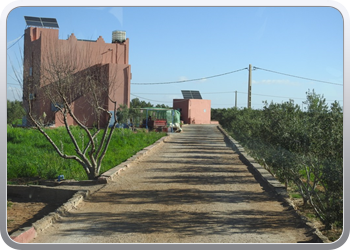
305, 148
15, 112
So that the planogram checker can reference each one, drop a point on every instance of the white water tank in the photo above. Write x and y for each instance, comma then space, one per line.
118, 36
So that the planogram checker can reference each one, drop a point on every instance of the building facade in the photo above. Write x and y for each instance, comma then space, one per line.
193, 111
47, 59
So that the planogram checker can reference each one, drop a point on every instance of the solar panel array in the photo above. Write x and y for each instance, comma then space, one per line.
191, 94
41, 22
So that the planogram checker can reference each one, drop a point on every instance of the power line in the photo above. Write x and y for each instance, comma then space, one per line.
181, 100
278, 96
254, 68
148, 99
15, 42
227, 92
197, 79
297, 76
156, 94
300, 98
14, 84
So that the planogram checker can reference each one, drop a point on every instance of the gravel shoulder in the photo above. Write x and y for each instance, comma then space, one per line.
191, 189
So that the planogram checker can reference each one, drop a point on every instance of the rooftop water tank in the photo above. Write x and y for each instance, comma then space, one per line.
118, 36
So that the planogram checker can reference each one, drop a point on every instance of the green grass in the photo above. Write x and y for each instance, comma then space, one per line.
311, 215
30, 155
9, 204
296, 195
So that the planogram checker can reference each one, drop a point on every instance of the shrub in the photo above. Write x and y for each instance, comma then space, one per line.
305, 148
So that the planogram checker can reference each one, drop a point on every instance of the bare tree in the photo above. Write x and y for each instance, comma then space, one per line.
58, 87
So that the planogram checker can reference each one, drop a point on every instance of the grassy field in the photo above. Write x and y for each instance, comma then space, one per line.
30, 155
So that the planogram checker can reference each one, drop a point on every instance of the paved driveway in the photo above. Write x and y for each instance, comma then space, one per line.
192, 189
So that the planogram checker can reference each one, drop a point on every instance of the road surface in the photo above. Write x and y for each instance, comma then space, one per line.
192, 189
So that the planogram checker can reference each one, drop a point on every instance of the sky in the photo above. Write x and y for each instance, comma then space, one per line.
169, 44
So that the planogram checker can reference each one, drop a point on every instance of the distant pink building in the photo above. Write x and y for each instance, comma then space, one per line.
193, 111
110, 59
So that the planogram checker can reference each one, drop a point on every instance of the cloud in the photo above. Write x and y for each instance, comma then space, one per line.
14, 40
118, 13
183, 78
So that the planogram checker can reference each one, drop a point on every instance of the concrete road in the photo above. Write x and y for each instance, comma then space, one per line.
192, 189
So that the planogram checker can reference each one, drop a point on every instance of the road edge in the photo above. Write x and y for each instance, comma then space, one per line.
269, 180
27, 234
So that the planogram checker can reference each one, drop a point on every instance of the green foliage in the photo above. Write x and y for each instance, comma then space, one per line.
136, 103
29, 154
15, 112
123, 113
162, 106
9, 204
305, 148
133, 113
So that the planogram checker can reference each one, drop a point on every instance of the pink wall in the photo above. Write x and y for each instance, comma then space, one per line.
42, 47
197, 111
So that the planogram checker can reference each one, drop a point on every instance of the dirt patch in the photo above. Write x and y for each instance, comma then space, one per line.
308, 212
27, 204
23, 214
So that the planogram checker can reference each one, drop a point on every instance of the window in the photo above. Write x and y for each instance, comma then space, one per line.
32, 96
54, 107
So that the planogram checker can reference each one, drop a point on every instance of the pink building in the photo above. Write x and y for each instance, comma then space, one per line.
193, 111
42, 46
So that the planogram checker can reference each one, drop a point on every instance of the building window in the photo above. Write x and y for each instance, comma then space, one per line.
55, 107
32, 96
31, 71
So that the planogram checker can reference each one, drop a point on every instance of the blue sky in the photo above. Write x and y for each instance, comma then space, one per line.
182, 43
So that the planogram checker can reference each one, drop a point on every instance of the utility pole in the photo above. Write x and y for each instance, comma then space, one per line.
236, 98
250, 87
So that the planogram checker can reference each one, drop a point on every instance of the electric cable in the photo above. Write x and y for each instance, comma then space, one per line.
15, 42
14, 84
148, 99
300, 77
292, 98
191, 80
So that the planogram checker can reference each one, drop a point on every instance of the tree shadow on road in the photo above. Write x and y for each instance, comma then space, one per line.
180, 197
182, 223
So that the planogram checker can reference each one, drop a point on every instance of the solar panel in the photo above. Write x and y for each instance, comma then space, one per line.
33, 21
41, 22
186, 94
191, 94
196, 95
32, 18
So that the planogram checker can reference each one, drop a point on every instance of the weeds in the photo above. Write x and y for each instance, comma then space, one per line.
30, 155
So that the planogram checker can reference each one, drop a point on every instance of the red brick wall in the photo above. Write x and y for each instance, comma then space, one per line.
42, 47
197, 111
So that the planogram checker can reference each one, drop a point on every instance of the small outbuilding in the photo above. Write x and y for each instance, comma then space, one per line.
193, 109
